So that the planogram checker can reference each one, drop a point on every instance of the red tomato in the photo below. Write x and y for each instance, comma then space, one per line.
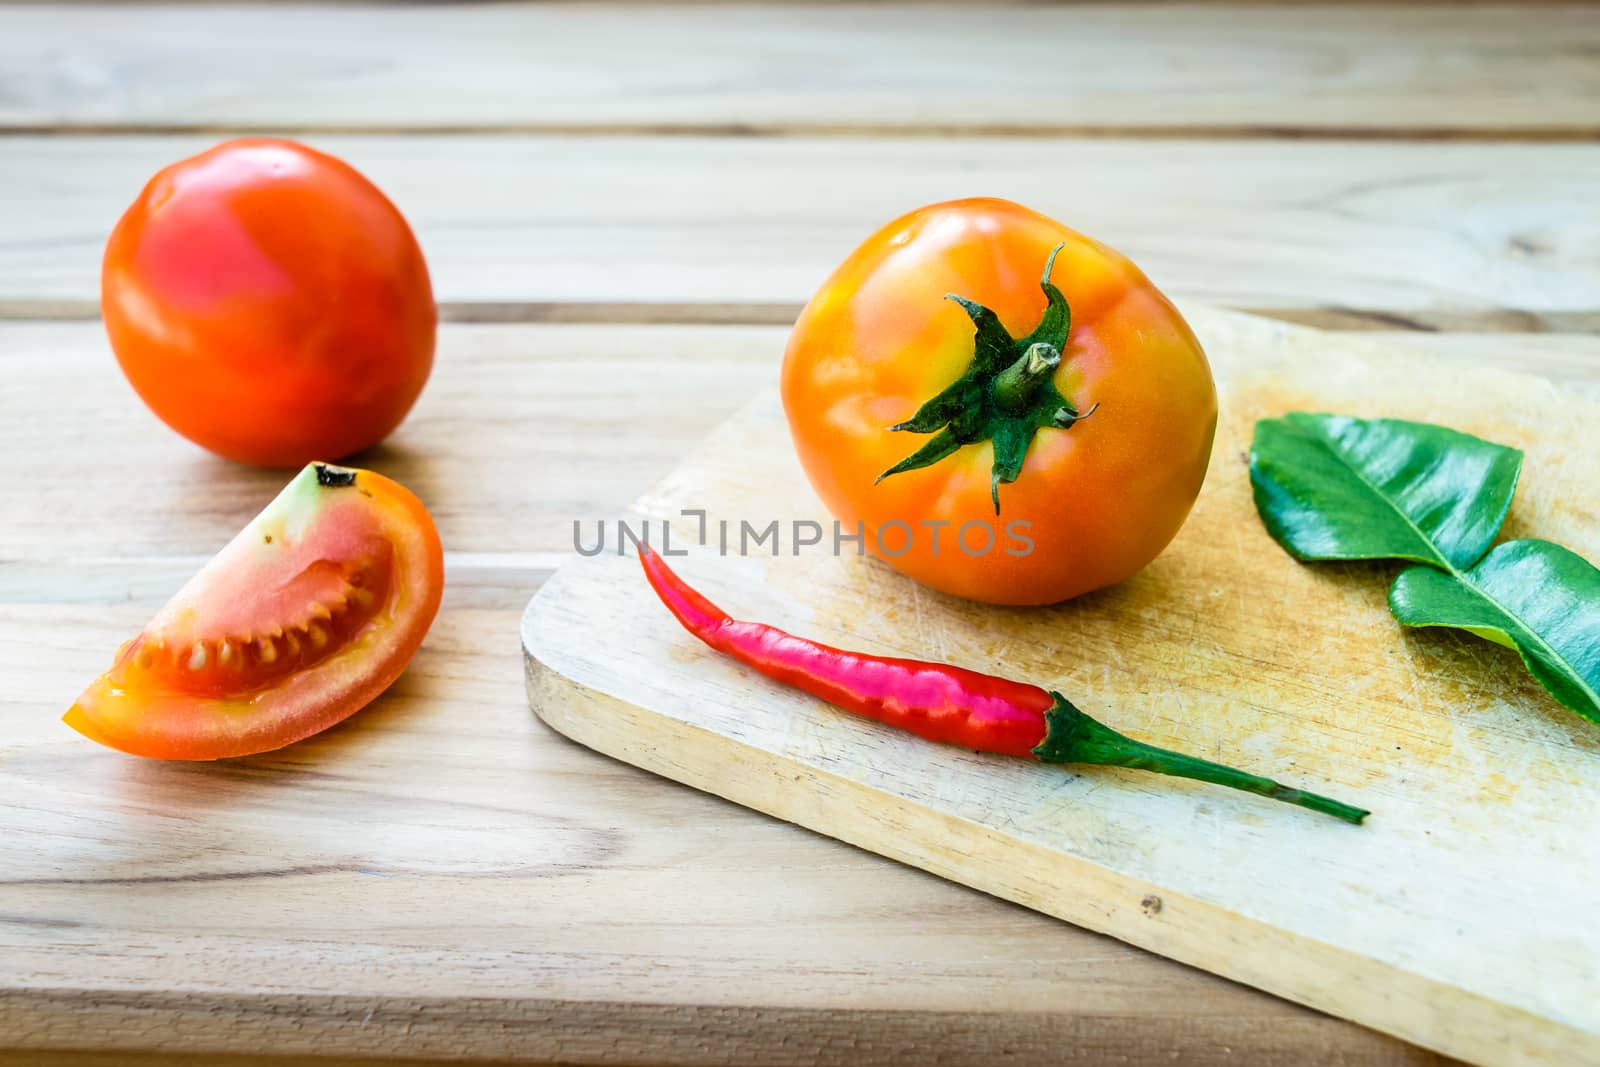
300, 621
1026, 443
269, 303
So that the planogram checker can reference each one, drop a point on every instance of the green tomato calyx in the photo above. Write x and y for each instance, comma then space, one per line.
1007, 395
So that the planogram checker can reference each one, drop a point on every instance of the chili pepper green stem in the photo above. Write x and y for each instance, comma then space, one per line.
1073, 737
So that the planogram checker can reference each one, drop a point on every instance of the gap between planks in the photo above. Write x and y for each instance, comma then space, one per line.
642, 313
871, 131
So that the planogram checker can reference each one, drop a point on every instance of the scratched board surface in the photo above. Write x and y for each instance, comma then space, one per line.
1461, 917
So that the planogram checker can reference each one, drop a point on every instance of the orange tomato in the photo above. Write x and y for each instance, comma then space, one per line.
269, 303
1055, 460
300, 621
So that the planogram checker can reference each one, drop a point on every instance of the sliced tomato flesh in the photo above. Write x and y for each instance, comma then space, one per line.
301, 620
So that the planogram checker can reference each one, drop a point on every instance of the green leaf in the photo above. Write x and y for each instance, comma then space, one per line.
1332, 487
1536, 597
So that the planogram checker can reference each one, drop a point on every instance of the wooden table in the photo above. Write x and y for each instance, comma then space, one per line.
623, 207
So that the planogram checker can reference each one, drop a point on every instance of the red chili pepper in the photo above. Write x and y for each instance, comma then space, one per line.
949, 704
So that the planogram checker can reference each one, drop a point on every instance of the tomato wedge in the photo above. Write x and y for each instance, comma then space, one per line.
299, 622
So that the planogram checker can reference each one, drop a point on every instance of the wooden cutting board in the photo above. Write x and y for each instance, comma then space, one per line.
1465, 916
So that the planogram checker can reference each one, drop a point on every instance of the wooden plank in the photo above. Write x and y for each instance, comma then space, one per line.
521, 431
1439, 69
1429, 234
83, 1058
442, 876
1446, 919
1568, 359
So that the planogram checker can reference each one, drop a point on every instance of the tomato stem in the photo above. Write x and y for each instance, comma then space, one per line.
331, 477
1015, 386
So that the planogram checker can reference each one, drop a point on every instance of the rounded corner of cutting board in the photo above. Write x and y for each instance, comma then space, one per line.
542, 678
555, 696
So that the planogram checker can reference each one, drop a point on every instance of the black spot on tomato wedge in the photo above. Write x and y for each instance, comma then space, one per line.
299, 622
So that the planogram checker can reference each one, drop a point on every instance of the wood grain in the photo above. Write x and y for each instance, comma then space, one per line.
90, 1058
1449, 235
1519, 68
1451, 919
